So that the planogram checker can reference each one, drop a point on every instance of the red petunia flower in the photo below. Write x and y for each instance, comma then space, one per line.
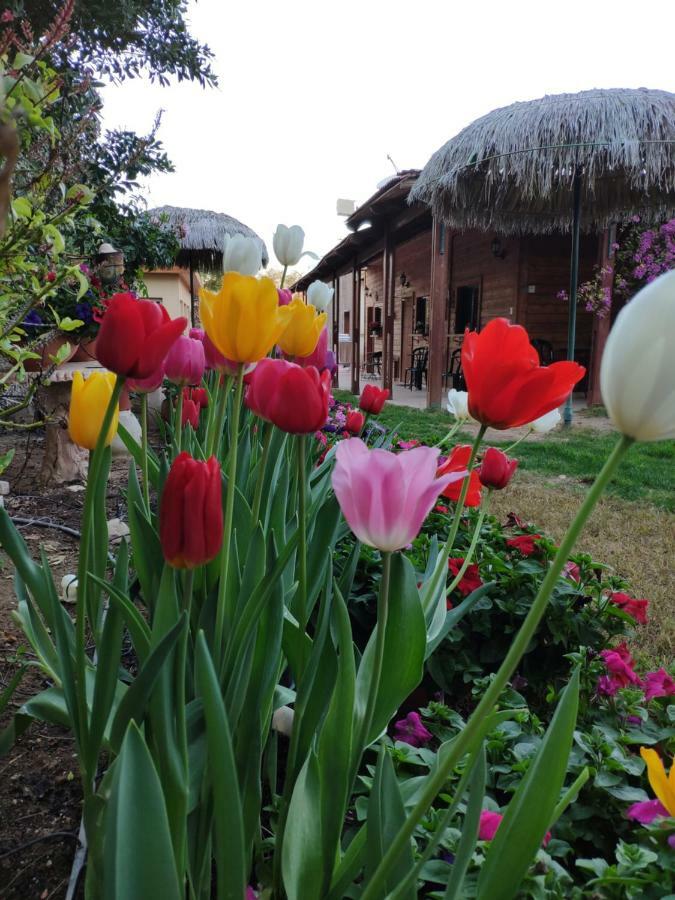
471, 579
524, 543
637, 609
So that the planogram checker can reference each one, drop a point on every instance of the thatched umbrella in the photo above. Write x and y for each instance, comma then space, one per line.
560, 163
202, 236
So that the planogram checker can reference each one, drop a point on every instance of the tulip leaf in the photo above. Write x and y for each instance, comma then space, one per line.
321, 543
138, 627
147, 551
138, 859
467, 842
136, 452
530, 810
405, 643
454, 616
222, 773
302, 862
386, 815
15, 547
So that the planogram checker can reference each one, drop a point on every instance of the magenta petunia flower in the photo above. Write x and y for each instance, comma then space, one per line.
646, 811
385, 496
411, 731
489, 823
658, 684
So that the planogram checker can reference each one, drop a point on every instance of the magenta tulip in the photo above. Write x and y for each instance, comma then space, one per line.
186, 362
319, 356
385, 496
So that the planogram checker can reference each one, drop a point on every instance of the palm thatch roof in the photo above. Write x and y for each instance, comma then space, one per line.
512, 170
202, 234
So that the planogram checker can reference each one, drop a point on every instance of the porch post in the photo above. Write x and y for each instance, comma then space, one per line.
437, 325
356, 327
601, 326
335, 331
388, 325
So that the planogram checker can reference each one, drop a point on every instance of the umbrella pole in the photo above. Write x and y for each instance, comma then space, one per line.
192, 292
574, 281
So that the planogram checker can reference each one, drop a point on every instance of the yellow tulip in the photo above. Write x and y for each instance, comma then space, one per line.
663, 785
243, 319
302, 333
88, 402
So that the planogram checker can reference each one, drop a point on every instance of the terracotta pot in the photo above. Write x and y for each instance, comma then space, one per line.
50, 349
86, 352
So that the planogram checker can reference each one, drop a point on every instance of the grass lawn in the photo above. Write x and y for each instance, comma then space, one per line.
647, 473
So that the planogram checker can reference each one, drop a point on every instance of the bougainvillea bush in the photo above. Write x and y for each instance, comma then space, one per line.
246, 749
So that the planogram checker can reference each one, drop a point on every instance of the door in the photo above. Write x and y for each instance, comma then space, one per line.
467, 310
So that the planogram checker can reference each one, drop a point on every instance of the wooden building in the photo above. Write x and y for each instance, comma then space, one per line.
407, 287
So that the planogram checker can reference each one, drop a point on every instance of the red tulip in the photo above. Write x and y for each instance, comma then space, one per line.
295, 399
191, 512
497, 469
200, 397
457, 462
507, 386
190, 412
355, 422
372, 399
135, 336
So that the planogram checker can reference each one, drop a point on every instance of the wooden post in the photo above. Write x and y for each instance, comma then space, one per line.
193, 317
388, 324
601, 326
356, 327
336, 326
437, 325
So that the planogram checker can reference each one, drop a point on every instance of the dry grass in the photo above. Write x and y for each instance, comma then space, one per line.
636, 539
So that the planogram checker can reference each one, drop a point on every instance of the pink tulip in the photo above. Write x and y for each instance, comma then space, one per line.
186, 362
197, 334
385, 496
285, 296
318, 357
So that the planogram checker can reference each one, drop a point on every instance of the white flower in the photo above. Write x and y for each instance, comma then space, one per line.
547, 422
637, 375
287, 243
241, 254
319, 294
458, 405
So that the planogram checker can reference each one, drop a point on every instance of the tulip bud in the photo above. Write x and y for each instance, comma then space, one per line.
191, 512
355, 422
241, 254
287, 243
458, 405
189, 412
319, 294
372, 399
285, 296
497, 469
88, 402
185, 362
301, 335
547, 422
637, 375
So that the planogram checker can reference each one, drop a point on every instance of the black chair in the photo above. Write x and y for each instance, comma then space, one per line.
454, 376
373, 363
545, 351
417, 371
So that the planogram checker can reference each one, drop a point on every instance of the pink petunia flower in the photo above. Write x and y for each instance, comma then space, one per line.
489, 823
658, 684
411, 731
619, 667
646, 811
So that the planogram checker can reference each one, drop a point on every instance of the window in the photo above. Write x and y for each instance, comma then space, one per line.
378, 315
421, 315
467, 313
346, 329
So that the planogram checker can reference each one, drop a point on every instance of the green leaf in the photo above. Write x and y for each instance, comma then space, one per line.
529, 813
455, 615
6, 460
405, 644
301, 862
222, 772
467, 842
136, 452
386, 815
138, 627
138, 860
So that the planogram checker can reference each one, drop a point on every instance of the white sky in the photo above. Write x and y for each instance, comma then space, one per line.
313, 95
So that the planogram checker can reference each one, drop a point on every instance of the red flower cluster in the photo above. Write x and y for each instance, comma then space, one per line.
457, 462
372, 399
135, 336
507, 387
471, 579
293, 398
637, 609
524, 543
191, 512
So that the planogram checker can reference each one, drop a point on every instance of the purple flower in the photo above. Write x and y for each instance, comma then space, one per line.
33, 318
84, 311
646, 811
411, 731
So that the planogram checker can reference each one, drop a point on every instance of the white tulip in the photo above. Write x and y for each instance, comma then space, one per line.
637, 375
282, 720
241, 254
547, 422
319, 295
69, 588
288, 243
458, 405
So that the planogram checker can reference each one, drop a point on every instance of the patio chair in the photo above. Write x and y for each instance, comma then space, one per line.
545, 351
417, 372
454, 377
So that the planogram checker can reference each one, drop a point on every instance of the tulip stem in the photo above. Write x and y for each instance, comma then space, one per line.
448, 435
218, 420
519, 441
378, 659
178, 427
144, 456
95, 459
267, 440
472, 546
300, 445
219, 638
471, 731
283, 278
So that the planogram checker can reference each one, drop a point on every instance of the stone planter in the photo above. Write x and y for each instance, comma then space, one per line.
86, 352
